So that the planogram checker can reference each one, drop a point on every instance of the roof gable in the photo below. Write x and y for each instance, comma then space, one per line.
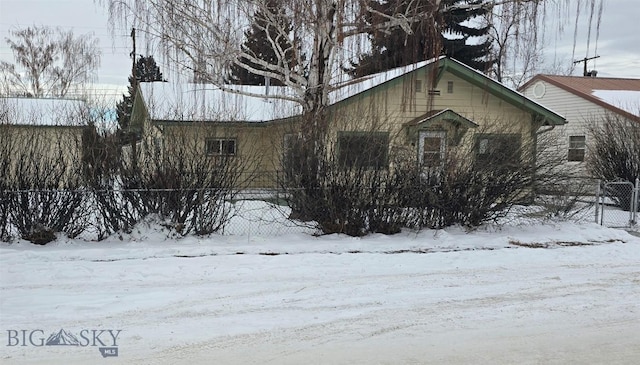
438, 115
464, 72
501, 91
619, 95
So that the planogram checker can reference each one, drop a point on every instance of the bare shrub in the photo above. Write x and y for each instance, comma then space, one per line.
102, 169
41, 172
5, 162
614, 154
43, 196
383, 189
615, 149
185, 180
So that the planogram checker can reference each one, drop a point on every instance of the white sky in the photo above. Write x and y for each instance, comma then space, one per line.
617, 45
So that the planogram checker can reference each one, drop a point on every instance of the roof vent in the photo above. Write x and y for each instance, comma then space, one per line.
592, 73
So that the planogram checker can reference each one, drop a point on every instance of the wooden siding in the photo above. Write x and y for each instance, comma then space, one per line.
581, 114
390, 107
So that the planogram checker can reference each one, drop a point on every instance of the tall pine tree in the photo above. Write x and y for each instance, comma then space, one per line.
257, 44
443, 33
146, 70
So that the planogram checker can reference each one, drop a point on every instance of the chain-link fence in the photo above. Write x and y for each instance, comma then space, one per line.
39, 215
618, 203
42, 215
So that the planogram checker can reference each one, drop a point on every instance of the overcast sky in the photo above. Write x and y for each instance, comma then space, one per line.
618, 44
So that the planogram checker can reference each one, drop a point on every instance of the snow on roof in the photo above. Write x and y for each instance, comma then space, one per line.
205, 102
350, 88
627, 100
42, 112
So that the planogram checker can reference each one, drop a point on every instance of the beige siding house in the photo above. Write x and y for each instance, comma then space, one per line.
420, 112
584, 101
41, 142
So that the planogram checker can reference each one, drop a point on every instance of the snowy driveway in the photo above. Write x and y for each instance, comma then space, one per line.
191, 303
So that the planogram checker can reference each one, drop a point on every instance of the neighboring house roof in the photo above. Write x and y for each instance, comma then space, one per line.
42, 112
619, 95
166, 101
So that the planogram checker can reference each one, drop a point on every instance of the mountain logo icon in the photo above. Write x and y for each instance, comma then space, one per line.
62, 338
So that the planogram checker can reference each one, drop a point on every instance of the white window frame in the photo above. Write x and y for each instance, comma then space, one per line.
583, 147
431, 134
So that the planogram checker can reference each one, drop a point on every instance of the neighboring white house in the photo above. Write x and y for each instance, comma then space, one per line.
583, 101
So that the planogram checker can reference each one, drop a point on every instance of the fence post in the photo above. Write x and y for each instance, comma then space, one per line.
598, 201
635, 204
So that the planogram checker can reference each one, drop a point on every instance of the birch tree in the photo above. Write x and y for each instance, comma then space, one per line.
48, 62
205, 36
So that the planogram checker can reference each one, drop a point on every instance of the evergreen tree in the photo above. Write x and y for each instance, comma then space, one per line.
429, 36
146, 70
473, 55
258, 45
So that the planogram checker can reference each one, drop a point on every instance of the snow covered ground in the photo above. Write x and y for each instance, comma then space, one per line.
524, 292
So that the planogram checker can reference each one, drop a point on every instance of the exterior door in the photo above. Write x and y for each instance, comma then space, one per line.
431, 149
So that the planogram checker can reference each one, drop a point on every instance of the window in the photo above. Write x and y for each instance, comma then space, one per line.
576, 148
432, 148
418, 86
449, 87
220, 147
498, 148
363, 150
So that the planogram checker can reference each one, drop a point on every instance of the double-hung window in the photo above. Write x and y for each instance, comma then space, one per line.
577, 146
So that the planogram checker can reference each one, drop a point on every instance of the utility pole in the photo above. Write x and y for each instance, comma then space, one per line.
133, 55
585, 72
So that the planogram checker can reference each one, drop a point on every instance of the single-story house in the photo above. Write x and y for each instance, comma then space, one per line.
425, 110
584, 101
41, 141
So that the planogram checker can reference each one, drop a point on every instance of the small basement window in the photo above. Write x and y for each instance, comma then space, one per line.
577, 145
220, 147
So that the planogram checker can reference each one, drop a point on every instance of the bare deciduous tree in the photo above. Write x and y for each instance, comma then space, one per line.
205, 36
519, 33
48, 62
